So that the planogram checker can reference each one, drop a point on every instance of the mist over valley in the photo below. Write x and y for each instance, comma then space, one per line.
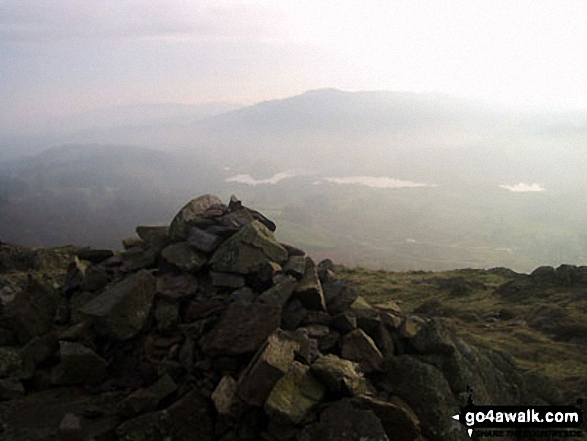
392, 180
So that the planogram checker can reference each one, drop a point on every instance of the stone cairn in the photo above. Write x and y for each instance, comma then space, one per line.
210, 329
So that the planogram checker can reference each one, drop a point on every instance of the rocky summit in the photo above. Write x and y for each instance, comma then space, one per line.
212, 329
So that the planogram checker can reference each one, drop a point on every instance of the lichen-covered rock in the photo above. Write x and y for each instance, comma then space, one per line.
242, 329
342, 377
295, 394
248, 250
224, 395
269, 364
121, 311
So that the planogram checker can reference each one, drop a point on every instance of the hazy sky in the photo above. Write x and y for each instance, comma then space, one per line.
64, 56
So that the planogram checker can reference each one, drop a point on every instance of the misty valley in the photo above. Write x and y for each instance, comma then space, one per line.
397, 181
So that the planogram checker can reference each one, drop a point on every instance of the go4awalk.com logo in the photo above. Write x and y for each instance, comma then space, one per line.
512, 420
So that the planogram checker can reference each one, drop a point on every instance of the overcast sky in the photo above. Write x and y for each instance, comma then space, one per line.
64, 56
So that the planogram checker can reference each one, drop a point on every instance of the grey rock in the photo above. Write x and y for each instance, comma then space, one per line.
398, 420
245, 294
242, 329
121, 311
190, 214
95, 279
184, 257
31, 311
309, 289
76, 272
268, 365
295, 394
11, 361
78, 365
11, 388
342, 421
342, 377
226, 280
426, 391
358, 346
156, 237
166, 315
224, 395
137, 258
338, 296
188, 419
94, 256
202, 240
132, 242
246, 251
295, 266
293, 314
344, 322
147, 399
70, 428
280, 293
177, 286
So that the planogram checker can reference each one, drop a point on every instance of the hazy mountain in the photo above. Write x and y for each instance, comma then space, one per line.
380, 179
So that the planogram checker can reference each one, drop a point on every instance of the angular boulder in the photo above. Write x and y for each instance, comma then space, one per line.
224, 395
242, 329
340, 376
295, 394
359, 347
30, 312
190, 214
188, 419
309, 289
246, 251
184, 257
280, 293
269, 364
342, 421
121, 311
79, 365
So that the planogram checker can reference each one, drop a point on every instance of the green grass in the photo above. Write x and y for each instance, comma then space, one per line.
477, 317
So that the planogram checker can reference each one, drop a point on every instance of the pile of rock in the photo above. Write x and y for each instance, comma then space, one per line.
212, 329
